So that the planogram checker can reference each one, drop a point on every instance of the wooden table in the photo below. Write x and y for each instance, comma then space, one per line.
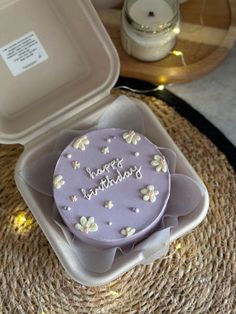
208, 32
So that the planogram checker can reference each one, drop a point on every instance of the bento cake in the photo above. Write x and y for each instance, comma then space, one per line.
111, 187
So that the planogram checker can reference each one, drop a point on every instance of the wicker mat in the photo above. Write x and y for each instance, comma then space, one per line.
197, 276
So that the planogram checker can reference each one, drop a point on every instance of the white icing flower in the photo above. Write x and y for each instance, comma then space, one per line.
58, 181
149, 193
81, 142
160, 163
87, 225
75, 164
131, 137
108, 204
73, 198
128, 231
105, 150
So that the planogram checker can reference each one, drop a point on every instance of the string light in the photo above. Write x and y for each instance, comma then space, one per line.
114, 294
178, 246
180, 54
21, 222
20, 219
163, 79
161, 87
176, 30
177, 53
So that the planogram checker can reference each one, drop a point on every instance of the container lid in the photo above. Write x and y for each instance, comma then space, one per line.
56, 59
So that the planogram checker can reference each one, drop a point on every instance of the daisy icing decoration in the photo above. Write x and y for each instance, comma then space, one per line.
105, 150
87, 225
108, 204
149, 193
75, 164
128, 231
81, 142
159, 163
58, 182
131, 137
73, 198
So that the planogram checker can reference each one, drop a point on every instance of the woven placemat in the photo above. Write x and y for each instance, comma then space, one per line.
197, 276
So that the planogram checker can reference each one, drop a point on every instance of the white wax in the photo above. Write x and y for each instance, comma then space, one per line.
162, 12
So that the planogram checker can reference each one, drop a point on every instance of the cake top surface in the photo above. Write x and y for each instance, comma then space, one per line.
111, 185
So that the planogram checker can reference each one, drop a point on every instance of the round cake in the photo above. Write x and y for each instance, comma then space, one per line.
111, 187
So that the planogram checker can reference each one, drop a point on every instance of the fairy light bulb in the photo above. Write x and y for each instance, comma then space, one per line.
176, 30
178, 246
161, 87
21, 222
114, 294
177, 53
162, 79
20, 219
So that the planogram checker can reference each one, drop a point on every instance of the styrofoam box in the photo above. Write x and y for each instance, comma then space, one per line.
68, 90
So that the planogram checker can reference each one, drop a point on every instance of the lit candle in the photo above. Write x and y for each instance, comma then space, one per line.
148, 28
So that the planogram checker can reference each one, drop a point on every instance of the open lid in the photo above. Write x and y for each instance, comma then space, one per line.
56, 60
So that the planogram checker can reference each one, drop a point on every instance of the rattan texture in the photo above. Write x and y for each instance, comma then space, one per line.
197, 276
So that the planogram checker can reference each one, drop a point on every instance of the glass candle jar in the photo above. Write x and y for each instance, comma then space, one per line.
149, 28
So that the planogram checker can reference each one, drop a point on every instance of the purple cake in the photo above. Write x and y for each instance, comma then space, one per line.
111, 187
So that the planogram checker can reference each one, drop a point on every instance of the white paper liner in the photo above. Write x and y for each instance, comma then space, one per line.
185, 195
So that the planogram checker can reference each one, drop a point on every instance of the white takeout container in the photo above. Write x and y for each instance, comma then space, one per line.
69, 90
